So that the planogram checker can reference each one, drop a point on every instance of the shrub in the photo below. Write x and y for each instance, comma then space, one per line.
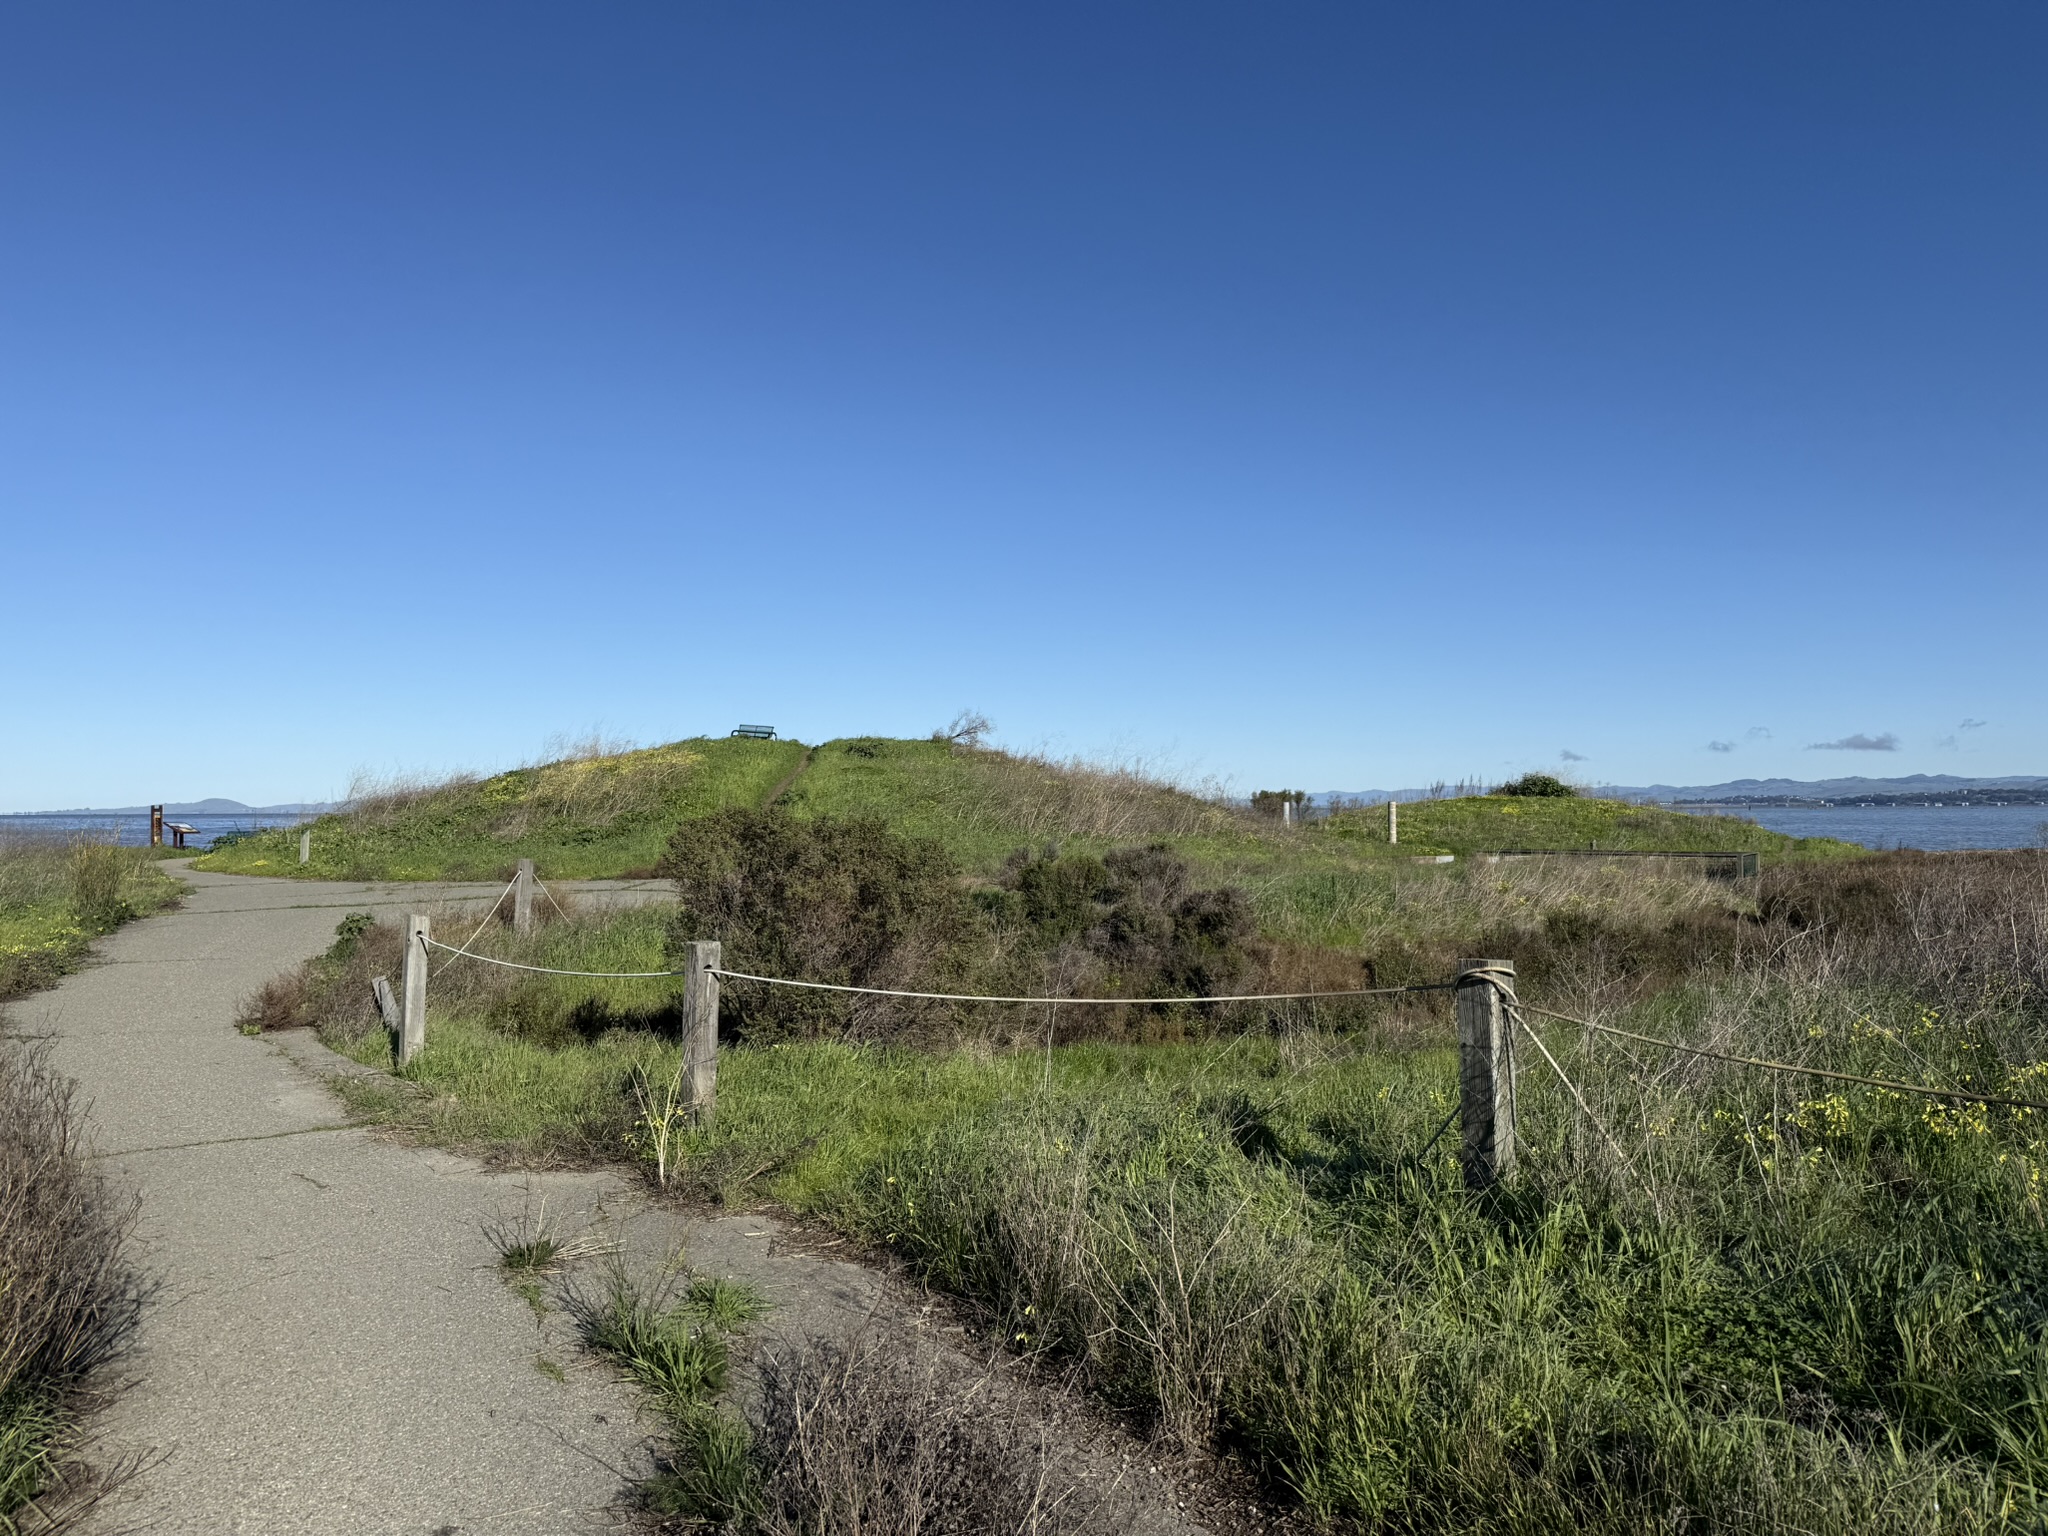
67, 1296
851, 1439
332, 992
854, 904
842, 901
1544, 785
1131, 923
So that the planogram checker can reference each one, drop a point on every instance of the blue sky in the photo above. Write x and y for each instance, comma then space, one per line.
1324, 395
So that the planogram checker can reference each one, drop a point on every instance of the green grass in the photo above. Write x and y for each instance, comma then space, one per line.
57, 897
1787, 1306
1490, 823
1799, 1339
576, 819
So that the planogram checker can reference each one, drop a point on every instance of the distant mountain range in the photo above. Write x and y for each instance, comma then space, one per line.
1916, 786
197, 808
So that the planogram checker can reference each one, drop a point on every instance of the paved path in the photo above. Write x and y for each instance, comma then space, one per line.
331, 1348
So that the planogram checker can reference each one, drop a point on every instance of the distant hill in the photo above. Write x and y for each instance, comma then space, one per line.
1915, 784
1739, 790
198, 808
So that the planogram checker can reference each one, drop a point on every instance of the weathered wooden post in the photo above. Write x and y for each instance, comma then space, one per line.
1486, 1078
306, 846
156, 826
387, 1007
1393, 823
412, 1036
700, 1022
522, 899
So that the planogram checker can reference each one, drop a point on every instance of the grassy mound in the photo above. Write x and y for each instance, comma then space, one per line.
1491, 823
605, 815
581, 817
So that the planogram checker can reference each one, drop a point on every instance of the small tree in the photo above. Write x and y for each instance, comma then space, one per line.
1539, 784
969, 729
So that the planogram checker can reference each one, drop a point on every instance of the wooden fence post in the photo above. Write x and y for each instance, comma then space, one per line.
1393, 823
387, 1007
522, 899
412, 1036
1486, 1079
700, 1022
306, 847
156, 826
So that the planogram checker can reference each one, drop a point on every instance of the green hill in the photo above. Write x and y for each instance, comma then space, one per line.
612, 815
579, 818
1330, 882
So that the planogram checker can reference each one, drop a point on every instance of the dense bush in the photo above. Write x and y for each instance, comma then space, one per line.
1131, 922
1538, 784
851, 903
846, 901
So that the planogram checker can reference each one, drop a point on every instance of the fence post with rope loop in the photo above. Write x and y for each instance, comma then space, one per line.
701, 960
1486, 1072
412, 1033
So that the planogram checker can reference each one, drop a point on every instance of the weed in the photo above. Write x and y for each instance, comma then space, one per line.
535, 1256
681, 1362
549, 1369
727, 1305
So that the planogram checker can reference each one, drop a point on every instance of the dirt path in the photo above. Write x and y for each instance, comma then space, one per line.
331, 1347
789, 778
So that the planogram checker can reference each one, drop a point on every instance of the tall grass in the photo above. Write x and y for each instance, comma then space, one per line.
67, 1296
1784, 1305
58, 894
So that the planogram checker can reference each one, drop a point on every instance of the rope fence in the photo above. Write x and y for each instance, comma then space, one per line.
1489, 1016
1792, 1068
1085, 1002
